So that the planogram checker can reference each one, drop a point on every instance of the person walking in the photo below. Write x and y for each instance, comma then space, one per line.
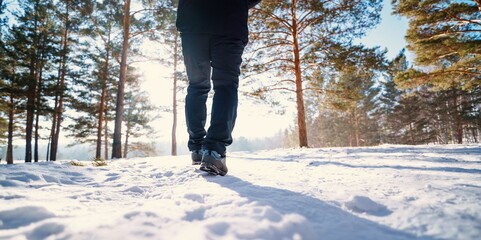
214, 34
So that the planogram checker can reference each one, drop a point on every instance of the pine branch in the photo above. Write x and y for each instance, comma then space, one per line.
143, 10
279, 19
97, 29
135, 34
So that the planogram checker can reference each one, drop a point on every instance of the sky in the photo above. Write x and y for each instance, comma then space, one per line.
256, 120
389, 33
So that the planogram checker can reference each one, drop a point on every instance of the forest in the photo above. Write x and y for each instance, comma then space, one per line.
67, 67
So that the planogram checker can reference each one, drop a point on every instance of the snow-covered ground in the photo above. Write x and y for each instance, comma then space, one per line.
386, 192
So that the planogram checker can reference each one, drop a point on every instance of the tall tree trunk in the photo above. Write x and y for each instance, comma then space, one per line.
411, 131
35, 147
31, 90
119, 109
30, 112
126, 146
349, 123
54, 114
106, 137
356, 125
174, 98
102, 106
11, 112
474, 133
59, 110
458, 124
301, 113
37, 113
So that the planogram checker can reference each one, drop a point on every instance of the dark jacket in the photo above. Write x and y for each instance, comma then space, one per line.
220, 17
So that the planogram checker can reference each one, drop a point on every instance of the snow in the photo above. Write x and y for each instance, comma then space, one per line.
385, 192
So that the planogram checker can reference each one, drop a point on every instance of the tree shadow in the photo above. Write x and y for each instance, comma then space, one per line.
399, 167
327, 221
404, 154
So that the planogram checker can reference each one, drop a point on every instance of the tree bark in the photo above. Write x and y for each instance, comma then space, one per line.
30, 114
457, 118
356, 131
59, 109
11, 112
301, 113
106, 137
174, 98
119, 109
54, 119
31, 91
126, 146
37, 113
102, 103
411, 131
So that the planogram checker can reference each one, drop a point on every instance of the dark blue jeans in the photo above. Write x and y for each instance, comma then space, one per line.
218, 58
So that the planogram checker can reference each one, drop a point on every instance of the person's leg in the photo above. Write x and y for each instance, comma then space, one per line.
195, 48
226, 57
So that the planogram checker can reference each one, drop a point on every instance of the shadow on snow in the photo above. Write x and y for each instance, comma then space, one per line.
327, 221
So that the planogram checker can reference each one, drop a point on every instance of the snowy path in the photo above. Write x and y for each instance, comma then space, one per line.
387, 192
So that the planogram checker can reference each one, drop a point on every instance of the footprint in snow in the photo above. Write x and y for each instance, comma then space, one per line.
362, 204
23, 216
45, 230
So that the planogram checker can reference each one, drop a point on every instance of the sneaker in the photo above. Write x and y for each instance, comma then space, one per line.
213, 163
196, 156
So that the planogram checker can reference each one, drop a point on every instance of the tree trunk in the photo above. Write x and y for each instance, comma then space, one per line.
106, 137
474, 133
356, 130
37, 113
174, 98
31, 91
54, 115
100, 120
102, 106
457, 117
11, 112
35, 148
59, 110
411, 131
301, 113
126, 146
349, 123
119, 109
30, 112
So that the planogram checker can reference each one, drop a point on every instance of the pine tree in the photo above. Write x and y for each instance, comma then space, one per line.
105, 18
132, 27
168, 36
68, 18
172, 58
389, 99
34, 46
353, 91
12, 95
96, 81
290, 38
119, 109
137, 121
444, 35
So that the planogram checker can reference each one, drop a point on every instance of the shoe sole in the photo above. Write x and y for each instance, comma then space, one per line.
196, 163
212, 169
